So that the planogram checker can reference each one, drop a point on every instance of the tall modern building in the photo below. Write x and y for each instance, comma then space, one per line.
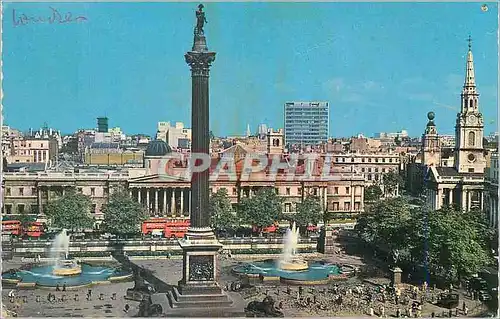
306, 123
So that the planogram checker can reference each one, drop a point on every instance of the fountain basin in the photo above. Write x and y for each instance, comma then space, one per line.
294, 265
44, 276
316, 272
67, 268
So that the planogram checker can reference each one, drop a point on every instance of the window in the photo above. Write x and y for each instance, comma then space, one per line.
8, 209
369, 177
347, 206
42, 145
336, 206
363, 169
21, 191
471, 170
383, 160
376, 177
347, 190
369, 160
92, 191
288, 190
343, 159
336, 159
315, 192
472, 139
7, 191
363, 160
369, 169
105, 191
300, 191
356, 206
34, 191
288, 207
376, 169
235, 191
352, 160
336, 190
376, 160
383, 170
390, 160
20, 208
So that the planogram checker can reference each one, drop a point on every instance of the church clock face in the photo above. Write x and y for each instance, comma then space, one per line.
472, 119
471, 157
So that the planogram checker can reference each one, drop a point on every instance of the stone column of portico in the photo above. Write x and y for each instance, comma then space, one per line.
469, 200
164, 210
439, 198
172, 202
156, 201
451, 197
189, 202
182, 202
481, 199
139, 191
39, 195
147, 200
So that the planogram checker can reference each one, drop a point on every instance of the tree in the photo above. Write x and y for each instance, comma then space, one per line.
222, 216
123, 215
372, 193
308, 212
71, 211
261, 210
391, 182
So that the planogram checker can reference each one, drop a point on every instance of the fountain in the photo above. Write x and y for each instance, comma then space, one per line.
62, 270
63, 267
291, 268
290, 261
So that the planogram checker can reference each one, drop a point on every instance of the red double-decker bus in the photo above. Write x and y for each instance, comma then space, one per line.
165, 227
12, 227
34, 229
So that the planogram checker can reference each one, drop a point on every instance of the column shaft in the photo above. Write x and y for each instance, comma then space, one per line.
182, 202
164, 201
156, 201
172, 202
147, 199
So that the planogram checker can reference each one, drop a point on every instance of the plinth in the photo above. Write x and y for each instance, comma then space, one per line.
396, 276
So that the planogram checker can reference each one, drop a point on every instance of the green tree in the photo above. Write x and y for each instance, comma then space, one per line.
222, 216
384, 225
372, 193
308, 212
391, 181
261, 210
123, 215
72, 211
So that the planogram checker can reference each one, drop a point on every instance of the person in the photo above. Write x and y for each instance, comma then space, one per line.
57, 287
64, 287
113, 297
466, 311
127, 307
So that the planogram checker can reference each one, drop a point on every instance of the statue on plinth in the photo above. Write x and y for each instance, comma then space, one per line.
200, 20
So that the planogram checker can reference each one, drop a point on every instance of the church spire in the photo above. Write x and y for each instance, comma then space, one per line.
469, 93
470, 80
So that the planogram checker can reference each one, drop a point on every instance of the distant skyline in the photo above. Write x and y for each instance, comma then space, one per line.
381, 66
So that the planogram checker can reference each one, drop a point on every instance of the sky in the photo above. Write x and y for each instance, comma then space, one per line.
381, 66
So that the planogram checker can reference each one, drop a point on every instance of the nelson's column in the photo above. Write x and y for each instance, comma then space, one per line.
198, 294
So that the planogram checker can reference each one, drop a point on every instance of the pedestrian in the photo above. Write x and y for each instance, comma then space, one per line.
64, 287
450, 313
463, 306
37, 298
433, 314
398, 313
456, 312
77, 297
113, 297
466, 311
57, 288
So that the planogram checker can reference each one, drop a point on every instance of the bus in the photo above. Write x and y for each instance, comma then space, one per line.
34, 229
12, 227
165, 227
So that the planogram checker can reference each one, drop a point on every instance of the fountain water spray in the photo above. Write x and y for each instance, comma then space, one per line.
289, 258
59, 255
60, 248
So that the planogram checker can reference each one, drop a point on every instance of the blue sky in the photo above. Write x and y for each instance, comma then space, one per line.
382, 66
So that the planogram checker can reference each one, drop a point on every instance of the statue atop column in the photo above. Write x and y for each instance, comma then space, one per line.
200, 20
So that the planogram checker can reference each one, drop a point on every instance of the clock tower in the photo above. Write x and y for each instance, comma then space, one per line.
469, 129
